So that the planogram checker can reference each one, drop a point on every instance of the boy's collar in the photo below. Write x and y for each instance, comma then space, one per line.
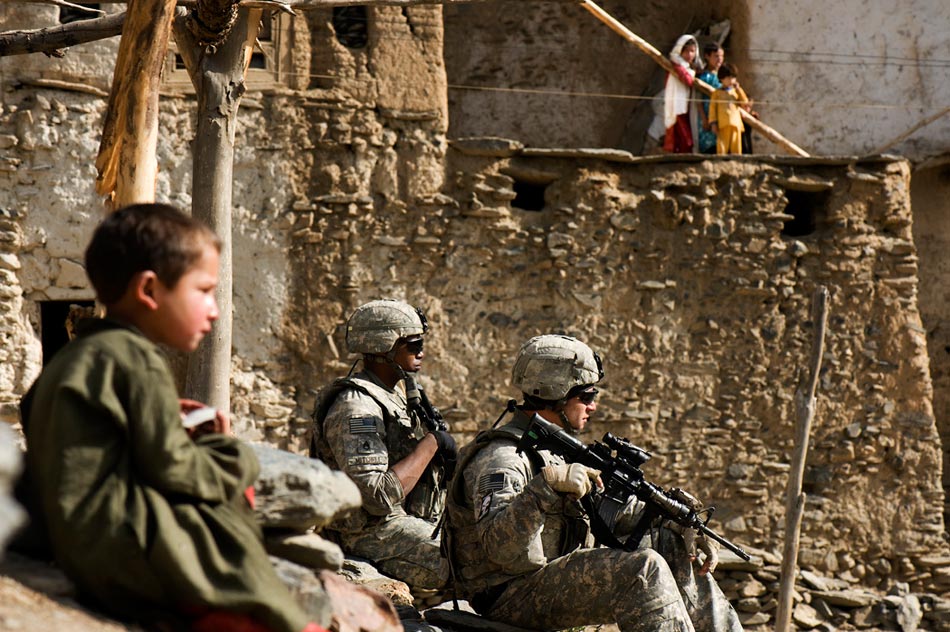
89, 326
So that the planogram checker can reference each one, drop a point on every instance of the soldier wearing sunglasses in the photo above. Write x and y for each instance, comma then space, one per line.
518, 538
362, 425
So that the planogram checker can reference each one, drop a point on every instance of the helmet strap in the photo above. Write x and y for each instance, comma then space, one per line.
565, 422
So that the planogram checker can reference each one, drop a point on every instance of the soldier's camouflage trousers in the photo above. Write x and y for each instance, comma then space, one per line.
402, 548
638, 590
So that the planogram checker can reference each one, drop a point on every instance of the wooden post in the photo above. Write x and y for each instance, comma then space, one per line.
795, 499
218, 74
667, 65
127, 163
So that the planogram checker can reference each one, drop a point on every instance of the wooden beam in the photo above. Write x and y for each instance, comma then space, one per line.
127, 162
53, 39
667, 65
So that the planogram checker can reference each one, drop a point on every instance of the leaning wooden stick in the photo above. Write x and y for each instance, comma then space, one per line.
927, 121
667, 65
795, 500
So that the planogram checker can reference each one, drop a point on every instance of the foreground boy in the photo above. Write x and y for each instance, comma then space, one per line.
147, 520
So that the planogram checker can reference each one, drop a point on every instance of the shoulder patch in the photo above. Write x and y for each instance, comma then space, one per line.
486, 505
372, 459
489, 483
362, 425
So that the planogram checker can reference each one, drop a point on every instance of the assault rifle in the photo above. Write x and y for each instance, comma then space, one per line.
619, 463
427, 414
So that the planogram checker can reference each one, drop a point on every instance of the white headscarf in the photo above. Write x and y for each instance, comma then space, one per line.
677, 94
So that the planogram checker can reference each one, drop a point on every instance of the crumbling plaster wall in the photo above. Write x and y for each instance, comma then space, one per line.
841, 79
551, 75
848, 78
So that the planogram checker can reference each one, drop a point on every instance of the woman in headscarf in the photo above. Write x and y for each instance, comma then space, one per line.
676, 112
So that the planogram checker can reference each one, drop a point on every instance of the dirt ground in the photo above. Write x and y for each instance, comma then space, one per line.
36, 596
25, 609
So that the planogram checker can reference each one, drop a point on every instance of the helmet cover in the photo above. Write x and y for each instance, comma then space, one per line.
375, 327
549, 366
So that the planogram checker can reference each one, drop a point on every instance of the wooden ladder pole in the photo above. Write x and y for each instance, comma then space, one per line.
795, 499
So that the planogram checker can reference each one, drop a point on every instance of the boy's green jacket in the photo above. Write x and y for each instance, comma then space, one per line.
142, 518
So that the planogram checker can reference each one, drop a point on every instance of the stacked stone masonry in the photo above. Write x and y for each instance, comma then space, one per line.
693, 278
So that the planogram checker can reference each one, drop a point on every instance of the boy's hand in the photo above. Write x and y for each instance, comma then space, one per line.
220, 424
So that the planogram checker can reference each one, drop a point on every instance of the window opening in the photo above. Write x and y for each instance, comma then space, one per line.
258, 60
529, 196
351, 26
53, 329
808, 211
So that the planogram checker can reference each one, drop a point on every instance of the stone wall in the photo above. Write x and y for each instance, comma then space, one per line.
693, 279
339, 124
930, 190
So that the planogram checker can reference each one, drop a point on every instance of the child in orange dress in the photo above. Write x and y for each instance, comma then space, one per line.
725, 118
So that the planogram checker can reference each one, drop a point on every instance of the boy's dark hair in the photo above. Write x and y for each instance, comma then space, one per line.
727, 70
140, 237
710, 47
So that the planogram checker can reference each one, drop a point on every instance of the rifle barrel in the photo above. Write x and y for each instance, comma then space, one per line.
726, 543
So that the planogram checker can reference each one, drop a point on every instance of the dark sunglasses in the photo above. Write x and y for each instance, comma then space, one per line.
414, 346
587, 397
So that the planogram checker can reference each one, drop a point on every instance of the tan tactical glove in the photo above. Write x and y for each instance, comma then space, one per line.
710, 549
571, 478
695, 541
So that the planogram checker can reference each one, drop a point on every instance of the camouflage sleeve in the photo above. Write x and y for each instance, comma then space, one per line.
356, 435
510, 502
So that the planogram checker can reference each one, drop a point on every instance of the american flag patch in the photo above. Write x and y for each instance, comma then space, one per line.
489, 483
362, 425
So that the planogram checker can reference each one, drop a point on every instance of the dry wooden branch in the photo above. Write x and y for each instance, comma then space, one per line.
927, 121
63, 3
54, 38
667, 65
795, 500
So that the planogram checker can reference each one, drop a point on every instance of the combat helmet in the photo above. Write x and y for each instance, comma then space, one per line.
376, 326
549, 366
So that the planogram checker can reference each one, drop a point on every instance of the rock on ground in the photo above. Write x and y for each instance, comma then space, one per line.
297, 493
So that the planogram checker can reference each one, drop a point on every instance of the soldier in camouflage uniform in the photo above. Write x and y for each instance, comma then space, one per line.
362, 426
519, 540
